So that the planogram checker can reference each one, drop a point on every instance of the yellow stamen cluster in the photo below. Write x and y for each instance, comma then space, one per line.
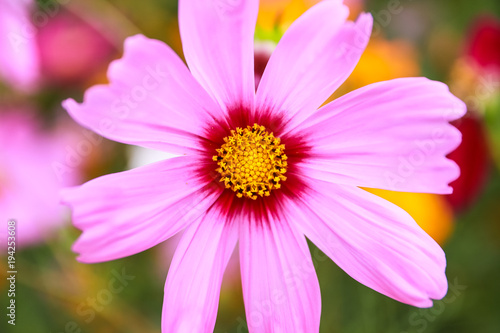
252, 162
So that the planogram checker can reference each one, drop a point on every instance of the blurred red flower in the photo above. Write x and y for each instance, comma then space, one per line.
473, 155
484, 43
473, 158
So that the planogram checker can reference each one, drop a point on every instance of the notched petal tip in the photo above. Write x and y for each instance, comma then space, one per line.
425, 304
83, 260
442, 290
449, 190
454, 173
455, 107
74, 108
69, 103
433, 296
459, 108
131, 46
80, 260
134, 39
365, 20
78, 247
66, 195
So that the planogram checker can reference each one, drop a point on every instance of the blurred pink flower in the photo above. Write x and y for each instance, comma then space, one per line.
391, 135
71, 50
19, 63
29, 184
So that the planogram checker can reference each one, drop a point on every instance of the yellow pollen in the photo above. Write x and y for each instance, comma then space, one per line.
252, 162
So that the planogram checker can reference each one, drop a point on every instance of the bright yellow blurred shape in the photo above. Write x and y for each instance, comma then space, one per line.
384, 60
432, 212
280, 14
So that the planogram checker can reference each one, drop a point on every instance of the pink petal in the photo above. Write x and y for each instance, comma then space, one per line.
280, 287
391, 135
374, 241
314, 57
152, 101
19, 61
217, 37
195, 275
128, 212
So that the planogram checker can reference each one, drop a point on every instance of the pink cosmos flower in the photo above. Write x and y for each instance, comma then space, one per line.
268, 168
19, 64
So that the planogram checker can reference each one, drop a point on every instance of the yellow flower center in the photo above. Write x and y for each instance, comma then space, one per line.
252, 162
